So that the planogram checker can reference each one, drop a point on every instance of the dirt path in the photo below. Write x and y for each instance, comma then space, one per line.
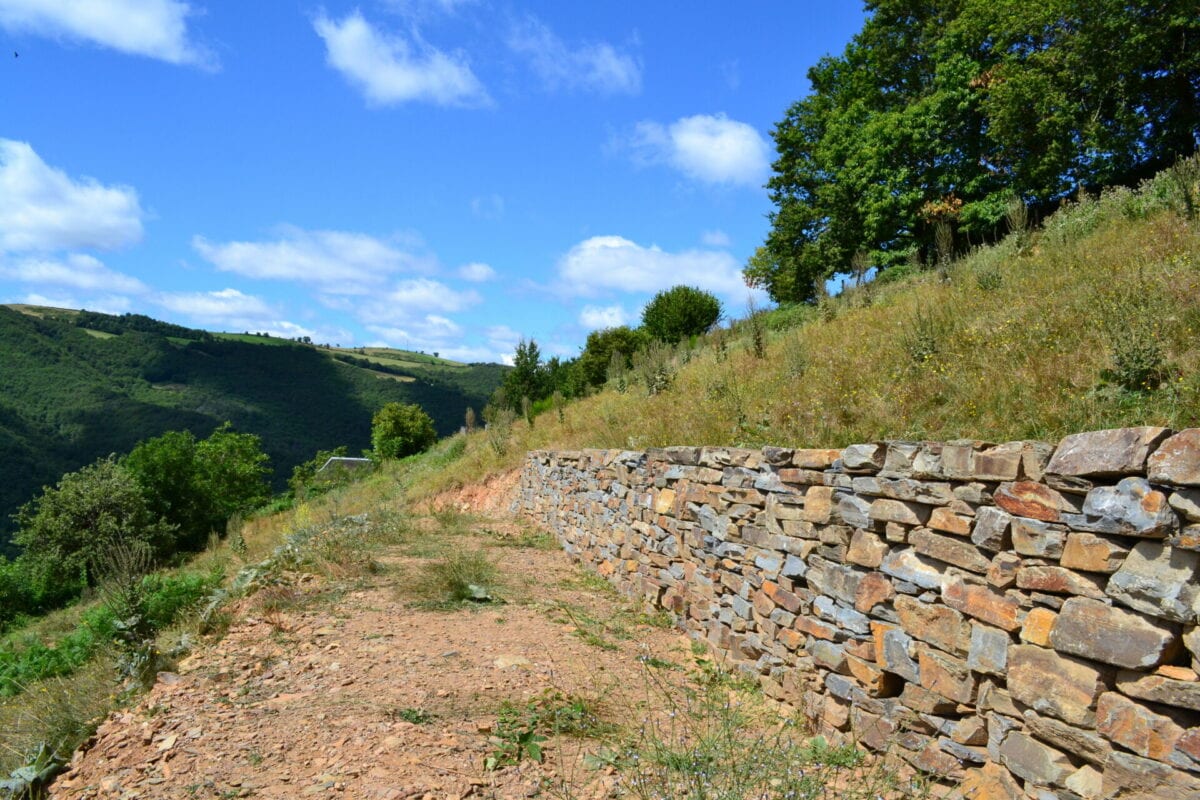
348, 690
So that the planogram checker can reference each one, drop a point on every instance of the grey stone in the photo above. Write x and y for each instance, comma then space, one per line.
1121, 451
991, 529
854, 511
1094, 630
1187, 503
1075, 684
794, 567
1130, 777
896, 658
864, 457
1033, 761
1160, 689
1031, 537
989, 650
1132, 508
998, 727
1087, 744
1159, 580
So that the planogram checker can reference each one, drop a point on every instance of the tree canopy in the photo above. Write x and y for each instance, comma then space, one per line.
942, 113
679, 312
400, 429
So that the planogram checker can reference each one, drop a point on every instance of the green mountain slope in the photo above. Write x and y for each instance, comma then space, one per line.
70, 394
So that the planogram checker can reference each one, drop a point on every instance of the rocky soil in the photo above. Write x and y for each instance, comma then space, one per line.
346, 688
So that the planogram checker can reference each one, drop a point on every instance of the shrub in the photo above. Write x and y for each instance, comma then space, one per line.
399, 430
679, 313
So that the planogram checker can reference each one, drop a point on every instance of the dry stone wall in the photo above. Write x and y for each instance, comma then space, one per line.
1019, 619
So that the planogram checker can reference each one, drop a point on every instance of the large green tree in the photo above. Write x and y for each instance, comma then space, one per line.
940, 113
65, 531
399, 430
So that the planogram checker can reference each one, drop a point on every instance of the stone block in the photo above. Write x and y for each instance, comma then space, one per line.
1159, 580
990, 782
818, 504
946, 675
970, 731
1034, 500
991, 530
866, 549
1187, 538
982, 603
864, 457
1038, 539
1076, 684
873, 589
916, 697
938, 625
944, 519
1091, 629
900, 511
1081, 742
1121, 451
853, 510
999, 463
1131, 508
1060, 581
1191, 640
1130, 777
949, 549
1158, 688
1035, 762
1002, 571
1087, 782
908, 565
781, 597
1135, 727
829, 655
1186, 503
815, 459
988, 650
1177, 460
1038, 624
1092, 553
814, 627
893, 651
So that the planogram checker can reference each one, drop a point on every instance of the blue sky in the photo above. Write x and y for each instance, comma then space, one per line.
439, 175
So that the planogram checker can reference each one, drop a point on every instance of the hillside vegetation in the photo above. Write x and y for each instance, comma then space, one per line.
72, 394
1089, 322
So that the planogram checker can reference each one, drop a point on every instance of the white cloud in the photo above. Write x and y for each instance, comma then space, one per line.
42, 209
715, 238
75, 271
152, 28
595, 318
423, 294
596, 66
613, 263
225, 307
340, 262
388, 69
710, 149
107, 304
476, 272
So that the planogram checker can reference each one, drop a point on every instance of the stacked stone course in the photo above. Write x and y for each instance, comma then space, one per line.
1019, 619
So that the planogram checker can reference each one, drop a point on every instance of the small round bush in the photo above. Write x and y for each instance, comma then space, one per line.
679, 313
400, 430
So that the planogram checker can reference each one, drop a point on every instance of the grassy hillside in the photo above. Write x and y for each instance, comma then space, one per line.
68, 396
1092, 321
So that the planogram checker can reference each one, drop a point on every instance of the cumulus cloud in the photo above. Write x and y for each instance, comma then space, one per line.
44, 210
340, 262
152, 28
604, 264
595, 66
75, 271
596, 318
389, 69
476, 272
709, 149
105, 303
224, 307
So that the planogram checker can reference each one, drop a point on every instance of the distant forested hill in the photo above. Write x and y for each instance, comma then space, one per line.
70, 394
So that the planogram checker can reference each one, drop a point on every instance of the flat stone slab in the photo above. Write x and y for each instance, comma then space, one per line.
1120, 451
